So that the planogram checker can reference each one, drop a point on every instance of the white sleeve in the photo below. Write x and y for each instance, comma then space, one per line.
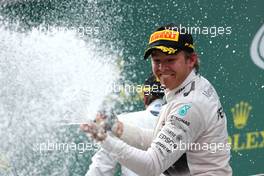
102, 164
137, 137
166, 148
133, 135
127, 172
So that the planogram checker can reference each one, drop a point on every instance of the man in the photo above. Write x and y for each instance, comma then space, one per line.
102, 162
192, 121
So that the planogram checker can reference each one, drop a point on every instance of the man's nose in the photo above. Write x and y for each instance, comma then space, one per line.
163, 66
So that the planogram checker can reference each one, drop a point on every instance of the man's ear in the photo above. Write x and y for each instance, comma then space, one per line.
193, 59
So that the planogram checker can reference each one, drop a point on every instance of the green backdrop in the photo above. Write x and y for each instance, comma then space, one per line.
225, 59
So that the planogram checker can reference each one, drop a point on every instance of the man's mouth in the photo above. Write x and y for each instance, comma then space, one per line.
165, 76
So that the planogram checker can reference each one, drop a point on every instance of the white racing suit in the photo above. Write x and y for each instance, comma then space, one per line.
102, 163
192, 121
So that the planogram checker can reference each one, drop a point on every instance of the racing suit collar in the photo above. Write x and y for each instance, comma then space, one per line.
155, 106
169, 94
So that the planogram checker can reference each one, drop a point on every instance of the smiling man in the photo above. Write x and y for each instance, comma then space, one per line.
192, 121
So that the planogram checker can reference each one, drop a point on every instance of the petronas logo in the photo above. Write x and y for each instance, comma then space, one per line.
257, 48
240, 114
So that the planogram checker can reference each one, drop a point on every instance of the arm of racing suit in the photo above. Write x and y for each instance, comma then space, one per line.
102, 164
134, 135
137, 137
165, 149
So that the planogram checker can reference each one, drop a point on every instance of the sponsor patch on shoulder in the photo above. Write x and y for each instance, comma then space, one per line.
183, 110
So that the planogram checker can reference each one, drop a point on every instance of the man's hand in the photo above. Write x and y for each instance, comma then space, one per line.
118, 129
98, 129
94, 131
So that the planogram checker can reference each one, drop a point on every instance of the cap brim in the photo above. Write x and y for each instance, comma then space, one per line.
168, 45
164, 49
148, 52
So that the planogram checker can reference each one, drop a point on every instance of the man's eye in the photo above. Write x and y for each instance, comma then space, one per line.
171, 60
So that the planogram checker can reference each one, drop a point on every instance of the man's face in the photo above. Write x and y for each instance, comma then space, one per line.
172, 70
